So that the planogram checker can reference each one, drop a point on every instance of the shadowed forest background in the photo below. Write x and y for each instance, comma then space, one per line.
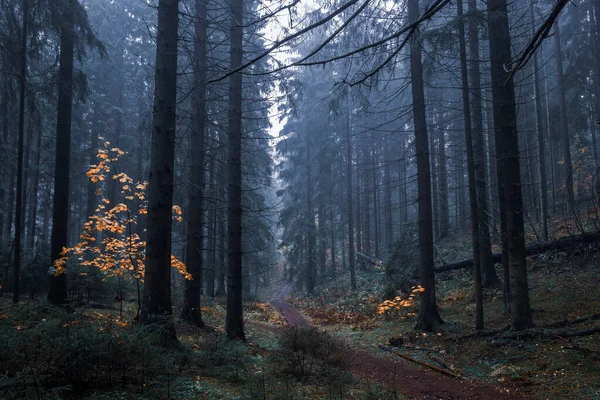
299, 199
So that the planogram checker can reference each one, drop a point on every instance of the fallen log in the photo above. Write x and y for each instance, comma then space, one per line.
531, 250
575, 321
423, 364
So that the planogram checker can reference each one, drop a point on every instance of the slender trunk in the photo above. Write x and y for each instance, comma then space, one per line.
428, 316
349, 199
403, 196
595, 29
539, 125
434, 178
222, 228
310, 223
471, 171
444, 214
156, 304
332, 232
19, 205
60, 216
191, 310
507, 148
488, 273
387, 194
376, 220
367, 209
322, 229
358, 216
33, 204
234, 323
564, 124
9, 201
212, 236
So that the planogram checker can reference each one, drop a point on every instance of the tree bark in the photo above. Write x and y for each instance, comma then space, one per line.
471, 170
33, 204
488, 273
19, 204
507, 148
387, 194
310, 223
564, 124
444, 214
349, 199
156, 304
428, 316
234, 323
541, 139
60, 216
191, 311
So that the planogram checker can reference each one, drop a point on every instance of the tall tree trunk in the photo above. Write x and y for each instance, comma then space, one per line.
33, 204
444, 214
434, 177
60, 216
595, 29
551, 138
402, 194
234, 323
376, 219
358, 212
19, 205
191, 311
322, 230
9, 199
428, 316
221, 227
332, 232
349, 198
4, 114
539, 126
310, 223
471, 170
507, 148
387, 194
212, 235
156, 304
488, 273
367, 208
564, 123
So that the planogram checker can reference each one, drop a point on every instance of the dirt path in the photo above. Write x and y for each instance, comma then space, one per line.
407, 379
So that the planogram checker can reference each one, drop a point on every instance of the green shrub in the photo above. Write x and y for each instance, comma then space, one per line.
308, 351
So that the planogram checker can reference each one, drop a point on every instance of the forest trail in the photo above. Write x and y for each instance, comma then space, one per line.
416, 383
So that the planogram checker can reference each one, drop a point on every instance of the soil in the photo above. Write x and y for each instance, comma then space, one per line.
405, 378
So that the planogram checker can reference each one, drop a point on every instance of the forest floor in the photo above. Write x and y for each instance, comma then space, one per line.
327, 346
558, 359
408, 380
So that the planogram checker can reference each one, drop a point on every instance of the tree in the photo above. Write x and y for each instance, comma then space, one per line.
19, 205
194, 238
60, 216
156, 304
507, 148
234, 323
475, 232
489, 277
564, 123
428, 316
349, 198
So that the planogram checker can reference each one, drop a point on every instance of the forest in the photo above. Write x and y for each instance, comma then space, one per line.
299, 199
